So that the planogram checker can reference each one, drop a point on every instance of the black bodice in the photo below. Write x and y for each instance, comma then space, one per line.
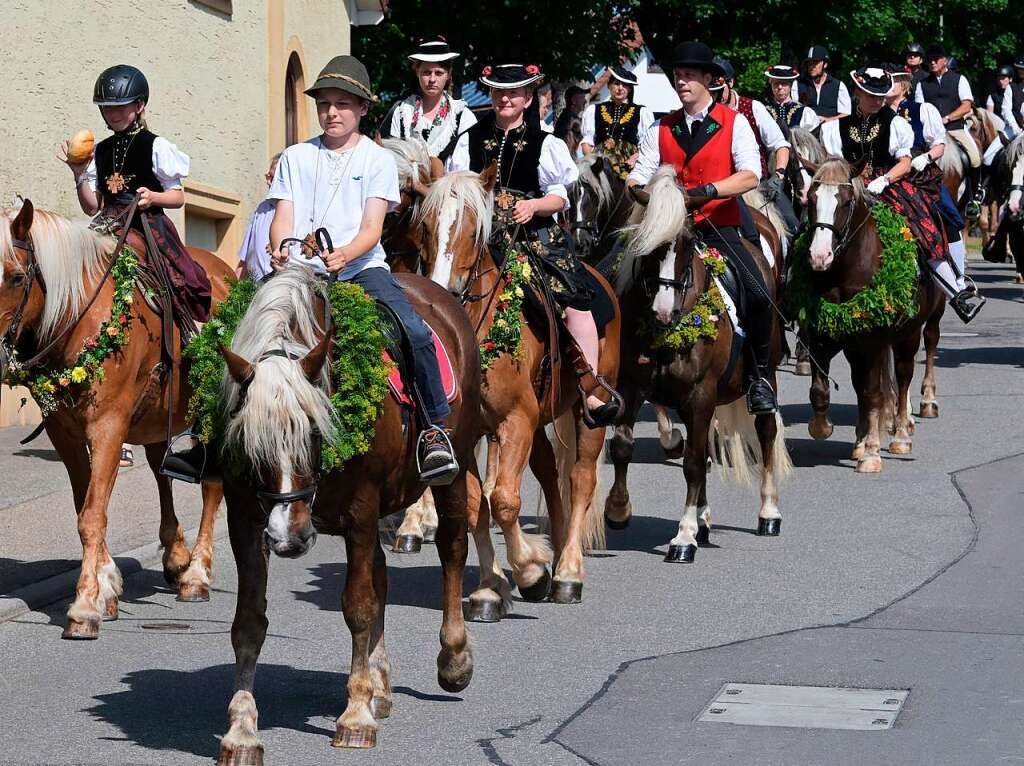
868, 137
619, 122
129, 155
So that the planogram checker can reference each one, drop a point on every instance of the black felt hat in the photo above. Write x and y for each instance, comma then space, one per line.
345, 73
697, 56
508, 76
624, 76
872, 80
433, 50
936, 51
781, 72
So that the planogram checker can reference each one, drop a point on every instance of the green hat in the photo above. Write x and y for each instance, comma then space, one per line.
345, 73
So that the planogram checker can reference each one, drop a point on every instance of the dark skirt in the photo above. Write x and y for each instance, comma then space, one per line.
919, 201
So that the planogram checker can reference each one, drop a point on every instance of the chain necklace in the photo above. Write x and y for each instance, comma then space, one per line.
116, 182
864, 135
340, 177
505, 200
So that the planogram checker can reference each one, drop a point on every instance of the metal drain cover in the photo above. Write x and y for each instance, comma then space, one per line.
807, 707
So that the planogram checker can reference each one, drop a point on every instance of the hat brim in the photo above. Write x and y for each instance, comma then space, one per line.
710, 67
788, 78
511, 85
433, 58
117, 101
868, 90
623, 80
324, 84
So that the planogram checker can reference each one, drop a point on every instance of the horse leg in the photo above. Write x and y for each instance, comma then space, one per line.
867, 380
929, 404
380, 666
176, 557
493, 597
491, 473
671, 438
904, 352
820, 426
455, 660
683, 547
241, 745
617, 507
545, 470
769, 519
194, 583
420, 518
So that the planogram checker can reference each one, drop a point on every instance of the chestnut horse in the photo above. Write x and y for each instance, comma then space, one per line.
456, 217
953, 163
54, 269
845, 254
661, 274
276, 388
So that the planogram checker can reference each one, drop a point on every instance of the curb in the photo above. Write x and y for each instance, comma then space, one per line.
33, 596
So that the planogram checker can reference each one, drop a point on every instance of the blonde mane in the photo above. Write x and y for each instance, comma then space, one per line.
411, 156
71, 258
836, 172
600, 186
465, 188
808, 147
660, 223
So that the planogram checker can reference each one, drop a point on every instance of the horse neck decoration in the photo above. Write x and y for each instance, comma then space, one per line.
598, 207
53, 268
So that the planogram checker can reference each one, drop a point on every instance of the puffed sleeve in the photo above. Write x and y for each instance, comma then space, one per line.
809, 119
934, 130
831, 139
459, 158
901, 138
587, 124
844, 105
919, 94
170, 164
964, 90
650, 156
89, 175
646, 120
557, 170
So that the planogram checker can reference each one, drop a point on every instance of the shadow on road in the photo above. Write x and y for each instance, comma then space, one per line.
15, 573
49, 455
840, 414
995, 355
808, 453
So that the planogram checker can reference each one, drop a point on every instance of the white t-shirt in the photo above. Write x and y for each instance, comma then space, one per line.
329, 189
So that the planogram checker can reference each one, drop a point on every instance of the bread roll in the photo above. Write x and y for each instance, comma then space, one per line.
81, 147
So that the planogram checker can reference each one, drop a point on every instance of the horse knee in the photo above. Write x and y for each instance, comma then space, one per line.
505, 504
621, 447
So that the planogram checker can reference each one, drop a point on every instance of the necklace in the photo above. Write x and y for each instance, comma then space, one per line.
442, 111
116, 182
865, 134
336, 180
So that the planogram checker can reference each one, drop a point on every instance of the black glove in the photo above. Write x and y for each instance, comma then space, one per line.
773, 186
707, 190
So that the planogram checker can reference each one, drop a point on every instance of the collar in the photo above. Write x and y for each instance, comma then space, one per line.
702, 114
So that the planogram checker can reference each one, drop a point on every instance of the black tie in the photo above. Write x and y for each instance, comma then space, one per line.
695, 128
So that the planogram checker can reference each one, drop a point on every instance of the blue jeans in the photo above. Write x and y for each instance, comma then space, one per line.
381, 285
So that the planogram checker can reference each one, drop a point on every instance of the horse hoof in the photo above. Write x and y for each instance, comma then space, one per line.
193, 593
360, 738
803, 369
243, 755
703, 536
820, 429
380, 707
539, 590
429, 533
485, 611
929, 410
901, 447
566, 592
110, 610
613, 524
869, 464
681, 554
408, 544
82, 630
769, 527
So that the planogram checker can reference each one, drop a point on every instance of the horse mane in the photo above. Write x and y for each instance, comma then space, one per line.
807, 146
755, 199
599, 185
993, 123
282, 408
836, 171
69, 255
465, 188
661, 222
411, 155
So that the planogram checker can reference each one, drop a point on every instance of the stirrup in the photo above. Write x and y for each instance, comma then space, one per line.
607, 413
185, 458
961, 305
444, 474
750, 402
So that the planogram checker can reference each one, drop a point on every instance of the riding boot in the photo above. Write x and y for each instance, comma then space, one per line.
966, 304
589, 383
760, 394
978, 181
994, 250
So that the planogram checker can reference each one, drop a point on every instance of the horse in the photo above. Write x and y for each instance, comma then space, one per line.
416, 171
598, 208
518, 400
277, 388
56, 295
845, 253
954, 164
1009, 185
661, 279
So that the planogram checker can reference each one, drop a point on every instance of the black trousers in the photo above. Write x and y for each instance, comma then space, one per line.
757, 310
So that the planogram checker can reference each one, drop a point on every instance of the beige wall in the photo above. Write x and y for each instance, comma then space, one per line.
216, 82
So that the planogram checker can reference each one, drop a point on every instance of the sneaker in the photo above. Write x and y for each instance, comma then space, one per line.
761, 398
437, 464
127, 457
966, 305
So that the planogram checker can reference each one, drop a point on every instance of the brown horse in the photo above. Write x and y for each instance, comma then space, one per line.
598, 208
53, 270
276, 387
416, 171
954, 162
845, 253
661, 274
456, 217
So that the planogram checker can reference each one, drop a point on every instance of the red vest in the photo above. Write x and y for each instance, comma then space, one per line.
746, 108
711, 162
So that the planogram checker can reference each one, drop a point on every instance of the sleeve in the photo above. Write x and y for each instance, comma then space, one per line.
745, 154
934, 130
650, 156
394, 125
964, 90
809, 119
844, 106
919, 94
383, 181
459, 159
587, 124
989, 103
283, 183
831, 139
170, 164
557, 171
901, 138
646, 120
89, 174
771, 133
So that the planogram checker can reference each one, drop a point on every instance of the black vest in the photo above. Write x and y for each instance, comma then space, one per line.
132, 157
620, 129
827, 105
520, 162
1017, 92
868, 137
787, 115
911, 112
944, 95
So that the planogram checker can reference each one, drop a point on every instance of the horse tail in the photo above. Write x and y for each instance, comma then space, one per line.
660, 223
735, 447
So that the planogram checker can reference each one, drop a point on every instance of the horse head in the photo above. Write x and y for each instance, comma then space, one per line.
417, 170
455, 225
593, 201
832, 200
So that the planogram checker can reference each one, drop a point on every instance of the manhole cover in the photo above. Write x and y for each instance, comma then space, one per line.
808, 707
166, 626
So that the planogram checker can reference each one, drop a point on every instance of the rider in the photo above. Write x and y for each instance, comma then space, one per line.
430, 112
346, 183
134, 161
883, 141
715, 155
534, 173
951, 94
820, 90
787, 112
617, 124
913, 55
1007, 101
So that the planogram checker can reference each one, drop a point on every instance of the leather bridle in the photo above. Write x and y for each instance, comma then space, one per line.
844, 234
10, 337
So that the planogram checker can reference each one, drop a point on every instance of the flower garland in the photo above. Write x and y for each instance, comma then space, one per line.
506, 333
58, 388
359, 371
442, 111
701, 322
891, 295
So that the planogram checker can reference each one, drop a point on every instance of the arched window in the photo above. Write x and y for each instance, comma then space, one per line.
293, 88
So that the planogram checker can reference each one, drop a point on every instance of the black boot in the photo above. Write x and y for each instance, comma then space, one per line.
979, 182
966, 304
760, 395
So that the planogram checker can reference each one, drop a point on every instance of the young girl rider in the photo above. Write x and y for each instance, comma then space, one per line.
346, 183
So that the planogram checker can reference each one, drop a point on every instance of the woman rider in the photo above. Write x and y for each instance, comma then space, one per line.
615, 126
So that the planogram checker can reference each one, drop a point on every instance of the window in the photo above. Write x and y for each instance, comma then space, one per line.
212, 220
293, 90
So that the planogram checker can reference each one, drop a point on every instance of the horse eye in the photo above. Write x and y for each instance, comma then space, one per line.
17, 279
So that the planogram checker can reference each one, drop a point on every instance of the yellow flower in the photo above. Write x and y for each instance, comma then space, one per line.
519, 292
527, 271
48, 387
505, 296
501, 323
112, 331
907, 235
78, 374
129, 299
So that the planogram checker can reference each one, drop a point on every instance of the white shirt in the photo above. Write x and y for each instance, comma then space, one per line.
932, 127
963, 88
170, 165
745, 154
901, 138
588, 125
771, 133
438, 136
843, 103
330, 189
1010, 128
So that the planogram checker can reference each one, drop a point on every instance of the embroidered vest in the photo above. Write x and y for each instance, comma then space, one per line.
944, 95
625, 123
134, 162
826, 104
746, 108
911, 112
868, 138
705, 158
787, 115
520, 165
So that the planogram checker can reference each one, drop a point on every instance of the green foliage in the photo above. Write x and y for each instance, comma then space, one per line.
889, 298
506, 333
701, 322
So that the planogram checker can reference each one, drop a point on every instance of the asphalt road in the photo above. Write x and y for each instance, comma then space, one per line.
927, 552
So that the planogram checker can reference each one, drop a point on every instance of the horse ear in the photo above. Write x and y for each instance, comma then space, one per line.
421, 184
238, 366
858, 167
489, 178
23, 221
313, 362
436, 168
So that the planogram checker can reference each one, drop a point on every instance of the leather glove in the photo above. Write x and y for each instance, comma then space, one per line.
773, 187
707, 190
920, 162
878, 185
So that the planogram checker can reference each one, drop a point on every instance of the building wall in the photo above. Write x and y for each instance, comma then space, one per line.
217, 91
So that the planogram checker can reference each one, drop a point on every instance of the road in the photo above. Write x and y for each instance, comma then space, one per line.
905, 580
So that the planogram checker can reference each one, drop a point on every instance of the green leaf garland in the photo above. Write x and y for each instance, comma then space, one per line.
701, 322
506, 333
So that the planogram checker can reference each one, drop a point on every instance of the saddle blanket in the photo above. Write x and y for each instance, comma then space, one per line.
449, 382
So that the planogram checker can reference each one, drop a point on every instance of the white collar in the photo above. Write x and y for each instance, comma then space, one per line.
702, 114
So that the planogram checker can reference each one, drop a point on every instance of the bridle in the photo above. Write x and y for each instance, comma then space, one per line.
845, 234
10, 338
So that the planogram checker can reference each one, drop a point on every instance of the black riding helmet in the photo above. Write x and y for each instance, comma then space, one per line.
915, 48
1005, 71
119, 85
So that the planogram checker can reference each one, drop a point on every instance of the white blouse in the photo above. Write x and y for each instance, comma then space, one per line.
438, 136
588, 124
170, 165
